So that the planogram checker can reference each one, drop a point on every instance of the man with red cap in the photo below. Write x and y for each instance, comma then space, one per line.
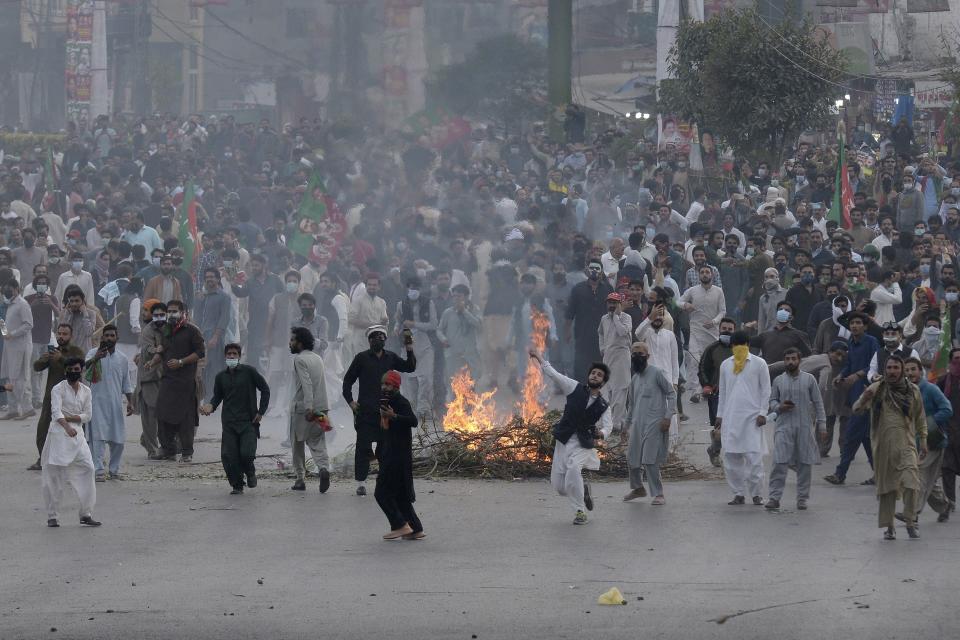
394, 491
616, 334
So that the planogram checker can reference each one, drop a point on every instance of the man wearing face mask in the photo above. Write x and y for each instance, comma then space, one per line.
177, 402
152, 270
56, 265
17, 351
804, 294
368, 367
783, 336
367, 308
310, 319
76, 275
926, 342
709, 377
909, 205
108, 372
52, 361
212, 316
773, 294
741, 414
44, 309
149, 362
892, 344
418, 314
236, 387
651, 405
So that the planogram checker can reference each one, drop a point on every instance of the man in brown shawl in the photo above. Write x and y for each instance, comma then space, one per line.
897, 420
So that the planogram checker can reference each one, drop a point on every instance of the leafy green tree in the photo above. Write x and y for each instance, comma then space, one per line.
503, 79
756, 84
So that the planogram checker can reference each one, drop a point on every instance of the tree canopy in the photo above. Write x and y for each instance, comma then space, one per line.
502, 79
756, 84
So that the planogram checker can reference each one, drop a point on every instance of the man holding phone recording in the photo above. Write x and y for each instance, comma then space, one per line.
52, 361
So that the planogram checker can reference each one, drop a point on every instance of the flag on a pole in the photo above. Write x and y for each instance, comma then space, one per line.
187, 234
321, 226
842, 193
51, 180
942, 360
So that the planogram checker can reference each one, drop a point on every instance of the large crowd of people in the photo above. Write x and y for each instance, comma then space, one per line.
660, 286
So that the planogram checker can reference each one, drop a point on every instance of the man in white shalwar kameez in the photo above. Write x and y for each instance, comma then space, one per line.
576, 433
366, 310
109, 374
65, 454
651, 403
17, 351
615, 338
741, 414
706, 305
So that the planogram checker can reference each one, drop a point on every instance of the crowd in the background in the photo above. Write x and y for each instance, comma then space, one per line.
466, 245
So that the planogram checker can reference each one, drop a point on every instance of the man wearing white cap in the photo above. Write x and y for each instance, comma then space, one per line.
368, 368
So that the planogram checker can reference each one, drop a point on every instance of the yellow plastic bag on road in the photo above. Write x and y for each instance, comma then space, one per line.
613, 596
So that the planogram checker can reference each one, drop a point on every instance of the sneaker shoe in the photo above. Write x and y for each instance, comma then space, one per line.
587, 498
186, 459
757, 501
237, 490
737, 500
324, 480
801, 505
869, 483
913, 532
299, 485
658, 501
772, 505
580, 518
115, 476
100, 477
943, 517
634, 494
361, 490
89, 521
53, 523
834, 479
35, 466
252, 479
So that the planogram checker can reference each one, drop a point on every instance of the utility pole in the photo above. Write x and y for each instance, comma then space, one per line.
560, 63
142, 101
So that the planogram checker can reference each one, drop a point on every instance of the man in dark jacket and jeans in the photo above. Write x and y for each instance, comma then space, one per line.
709, 374
236, 387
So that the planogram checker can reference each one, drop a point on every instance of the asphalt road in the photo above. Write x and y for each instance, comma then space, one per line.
178, 557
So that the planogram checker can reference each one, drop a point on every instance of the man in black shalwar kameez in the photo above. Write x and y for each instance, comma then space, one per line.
394, 492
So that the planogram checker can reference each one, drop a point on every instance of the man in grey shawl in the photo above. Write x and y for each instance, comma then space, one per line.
651, 403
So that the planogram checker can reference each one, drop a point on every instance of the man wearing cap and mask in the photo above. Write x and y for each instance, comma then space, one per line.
892, 344
651, 405
616, 335
368, 368
783, 336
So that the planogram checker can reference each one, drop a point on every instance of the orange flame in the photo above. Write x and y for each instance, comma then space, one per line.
530, 407
469, 411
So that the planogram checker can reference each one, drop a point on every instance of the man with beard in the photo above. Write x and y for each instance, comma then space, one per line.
368, 367
164, 287
741, 414
615, 338
314, 322
333, 305
938, 412
149, 364
796, 401
706, 306
212, 316
651, 404
108, 372
709, 376
417, 314
308, 409
897, 424
259, 288
177, 401
576, 433
52, 361
17, 351
236, 387
586, 307
395, 493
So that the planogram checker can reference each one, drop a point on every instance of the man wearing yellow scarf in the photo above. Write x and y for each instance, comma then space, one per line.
741, 414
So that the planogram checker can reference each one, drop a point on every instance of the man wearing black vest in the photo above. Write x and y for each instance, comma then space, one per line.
577, 432
892, 344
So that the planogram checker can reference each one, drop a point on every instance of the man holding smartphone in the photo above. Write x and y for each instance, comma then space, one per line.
795, 400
